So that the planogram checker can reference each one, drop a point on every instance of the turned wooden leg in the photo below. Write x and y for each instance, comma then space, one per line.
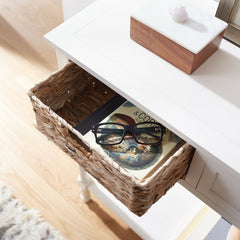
84, 180
233, 234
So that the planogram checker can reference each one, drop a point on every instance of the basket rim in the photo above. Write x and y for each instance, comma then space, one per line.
31, 91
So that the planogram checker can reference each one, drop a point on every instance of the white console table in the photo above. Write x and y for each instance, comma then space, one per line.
202, 108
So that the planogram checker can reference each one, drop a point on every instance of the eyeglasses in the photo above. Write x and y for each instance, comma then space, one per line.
148, 133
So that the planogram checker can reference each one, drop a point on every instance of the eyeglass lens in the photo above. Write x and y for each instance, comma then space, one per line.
147, 133
110, 133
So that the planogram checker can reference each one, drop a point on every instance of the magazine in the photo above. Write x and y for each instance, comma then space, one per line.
138, 159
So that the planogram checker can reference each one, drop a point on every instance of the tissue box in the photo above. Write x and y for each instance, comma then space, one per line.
186, 45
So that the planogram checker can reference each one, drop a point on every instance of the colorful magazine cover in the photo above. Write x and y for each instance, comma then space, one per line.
138, 159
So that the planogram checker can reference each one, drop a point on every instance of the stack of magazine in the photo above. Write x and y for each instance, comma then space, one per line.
138, 159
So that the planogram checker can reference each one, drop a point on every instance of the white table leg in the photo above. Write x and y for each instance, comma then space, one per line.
61, 59
84, 180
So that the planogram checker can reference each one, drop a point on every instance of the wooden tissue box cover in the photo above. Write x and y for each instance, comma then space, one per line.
185, 45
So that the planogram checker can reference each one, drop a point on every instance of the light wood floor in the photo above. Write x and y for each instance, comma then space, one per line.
39, 173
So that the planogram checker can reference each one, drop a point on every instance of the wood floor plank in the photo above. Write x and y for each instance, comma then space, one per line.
39, 173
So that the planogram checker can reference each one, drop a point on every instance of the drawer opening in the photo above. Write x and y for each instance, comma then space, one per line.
69, 96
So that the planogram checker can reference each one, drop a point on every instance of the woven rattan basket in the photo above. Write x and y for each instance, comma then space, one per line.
69, 96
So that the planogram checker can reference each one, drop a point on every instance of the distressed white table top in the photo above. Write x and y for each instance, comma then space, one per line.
194, 34
203, 108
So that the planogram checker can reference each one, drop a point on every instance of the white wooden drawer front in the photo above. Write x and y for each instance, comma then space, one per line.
221, 185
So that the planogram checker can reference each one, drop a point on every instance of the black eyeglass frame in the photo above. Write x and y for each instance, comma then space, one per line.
128, 129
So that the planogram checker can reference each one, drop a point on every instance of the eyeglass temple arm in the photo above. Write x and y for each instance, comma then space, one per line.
115, 130
107, 130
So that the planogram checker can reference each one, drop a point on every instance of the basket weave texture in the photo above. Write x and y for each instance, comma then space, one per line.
68, 96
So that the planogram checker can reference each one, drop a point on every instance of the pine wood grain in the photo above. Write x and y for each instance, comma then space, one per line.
39, 173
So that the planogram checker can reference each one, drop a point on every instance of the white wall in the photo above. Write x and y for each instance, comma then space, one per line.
71, 7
